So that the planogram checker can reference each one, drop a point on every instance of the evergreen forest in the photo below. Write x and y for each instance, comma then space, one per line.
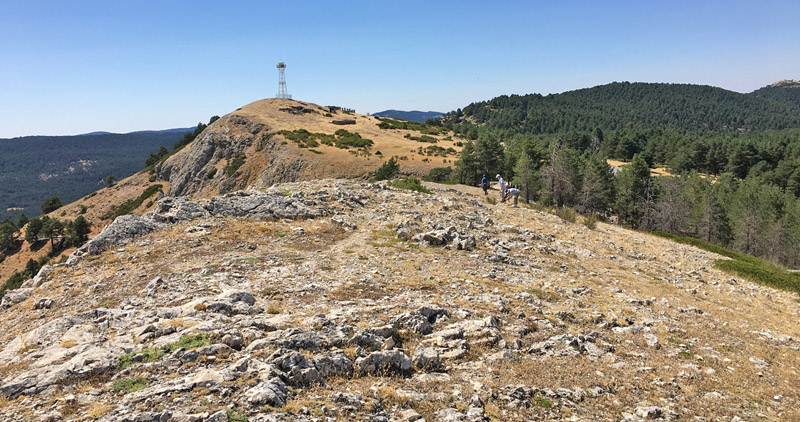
33, 168
733, 159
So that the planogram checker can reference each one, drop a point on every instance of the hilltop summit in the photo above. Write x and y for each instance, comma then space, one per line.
272, 141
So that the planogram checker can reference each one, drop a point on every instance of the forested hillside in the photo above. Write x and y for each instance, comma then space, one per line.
33, 168
623, 105
735, 157
787, 92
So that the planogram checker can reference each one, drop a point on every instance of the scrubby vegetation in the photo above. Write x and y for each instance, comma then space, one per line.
340, 139
439, 175
129, 385
155, 353
427, 129
234, 164
743, 265
410, 183
423, 138
130, 205
387, 171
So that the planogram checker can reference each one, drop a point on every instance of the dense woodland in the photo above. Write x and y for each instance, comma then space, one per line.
736, 186
787, 92
623, 105
33, 168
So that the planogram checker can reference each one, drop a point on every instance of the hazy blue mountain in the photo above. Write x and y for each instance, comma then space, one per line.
35, 167
412, 116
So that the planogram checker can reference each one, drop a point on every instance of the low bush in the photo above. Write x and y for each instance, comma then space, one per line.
566, 213
129, 206
439, 174
129, 385
387, 171
234, 164
590, 221
410, 183
189, 342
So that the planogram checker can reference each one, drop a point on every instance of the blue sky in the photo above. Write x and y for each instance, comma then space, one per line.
70, 67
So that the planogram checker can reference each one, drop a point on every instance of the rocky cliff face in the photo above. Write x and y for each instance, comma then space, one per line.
201, 167
335, 300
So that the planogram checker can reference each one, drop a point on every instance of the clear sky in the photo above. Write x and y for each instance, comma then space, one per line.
69, 67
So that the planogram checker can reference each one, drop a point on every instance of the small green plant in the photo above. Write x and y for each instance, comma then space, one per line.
491, 200
211, 173
235, 415
150, 355
189, 342
273, 310
234, 164
410, 183
590, 221
279, 234
129, 385
543, 402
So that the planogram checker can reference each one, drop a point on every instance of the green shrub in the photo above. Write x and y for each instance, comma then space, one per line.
234, 164
389, 123
189, 342
132, 204
590, 221
566, 213
129, 385
410, 183
12, 283
211, 173
150, 355
387, 171
345, 140
439, 174
236, 416
543, 402
423, 138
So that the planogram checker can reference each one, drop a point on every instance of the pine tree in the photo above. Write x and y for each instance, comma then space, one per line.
526, 176
633, 188
598, 191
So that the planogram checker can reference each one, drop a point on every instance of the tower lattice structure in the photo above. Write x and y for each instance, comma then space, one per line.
282, 93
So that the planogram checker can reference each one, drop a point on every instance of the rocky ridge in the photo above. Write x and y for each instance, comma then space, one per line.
337, 300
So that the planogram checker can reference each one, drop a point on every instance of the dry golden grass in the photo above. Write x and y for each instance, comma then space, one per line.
68, 343
98, 410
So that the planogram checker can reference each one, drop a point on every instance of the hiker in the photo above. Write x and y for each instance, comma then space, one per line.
515, 193
503, 188
485, 185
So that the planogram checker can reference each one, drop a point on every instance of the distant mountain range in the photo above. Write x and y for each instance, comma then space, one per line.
181, 130
35, 167
412, 116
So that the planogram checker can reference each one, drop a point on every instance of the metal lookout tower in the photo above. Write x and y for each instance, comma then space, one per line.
282, 81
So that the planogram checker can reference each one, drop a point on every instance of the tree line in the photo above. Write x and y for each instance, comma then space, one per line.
746, 213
